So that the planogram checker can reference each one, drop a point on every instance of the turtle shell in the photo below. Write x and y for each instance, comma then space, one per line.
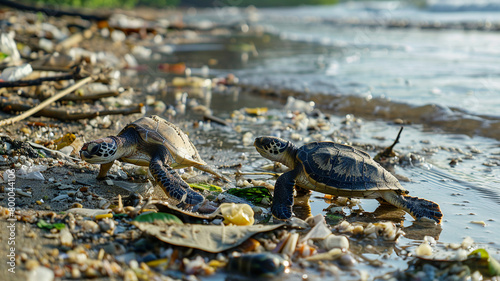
342, 169
156, 130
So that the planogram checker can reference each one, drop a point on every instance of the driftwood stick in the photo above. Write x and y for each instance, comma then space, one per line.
72, 115
35, 82
90, 96
51, 12
45, 103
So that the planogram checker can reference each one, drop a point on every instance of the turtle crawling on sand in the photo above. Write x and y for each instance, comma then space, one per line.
154, 142
340, 170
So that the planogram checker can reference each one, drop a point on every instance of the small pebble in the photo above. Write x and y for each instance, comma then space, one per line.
32, 264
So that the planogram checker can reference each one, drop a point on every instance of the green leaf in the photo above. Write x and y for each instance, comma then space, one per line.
481, 259
46, 225
204, 186
253, 194
158, 217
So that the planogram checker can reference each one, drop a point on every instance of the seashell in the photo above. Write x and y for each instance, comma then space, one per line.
290, 245
335, 242
66, 237
250, 245
330, 255
305, 250
467, 243
423, 249
89, 226
344, 227
348, 260
358, 230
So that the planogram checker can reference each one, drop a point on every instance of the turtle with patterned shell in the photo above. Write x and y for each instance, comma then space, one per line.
340, 170
156, 143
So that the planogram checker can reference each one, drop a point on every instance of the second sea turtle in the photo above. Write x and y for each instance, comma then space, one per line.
340, 170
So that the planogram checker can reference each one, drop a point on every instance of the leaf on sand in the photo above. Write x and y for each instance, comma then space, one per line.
253, 194
209, 238
203, 186
88, 212
158, 217
46, 225
481, 259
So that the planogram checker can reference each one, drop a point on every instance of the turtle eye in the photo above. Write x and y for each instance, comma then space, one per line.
94, 149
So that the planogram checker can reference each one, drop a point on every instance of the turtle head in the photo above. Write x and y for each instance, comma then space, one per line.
100, 151
276, 149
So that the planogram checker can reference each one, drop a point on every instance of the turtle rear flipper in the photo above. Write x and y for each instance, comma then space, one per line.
173, 185
283, 195
419, 208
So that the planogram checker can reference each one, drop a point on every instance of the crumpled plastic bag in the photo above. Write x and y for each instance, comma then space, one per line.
238, 214
8, 46
15, 73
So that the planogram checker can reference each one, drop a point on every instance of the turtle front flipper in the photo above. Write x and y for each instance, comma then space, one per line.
419, 208
173, 185
104, 170
283, 195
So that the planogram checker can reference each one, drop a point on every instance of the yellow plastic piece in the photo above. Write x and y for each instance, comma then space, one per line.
256, 111
103, 216
239, 214
64, 140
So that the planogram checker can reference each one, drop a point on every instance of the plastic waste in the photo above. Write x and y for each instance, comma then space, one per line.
15, 73
8, 46
293, 104
239, 214
31, 172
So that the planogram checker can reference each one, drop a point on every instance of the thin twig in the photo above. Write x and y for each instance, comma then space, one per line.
52, 12
46, 102
35, 82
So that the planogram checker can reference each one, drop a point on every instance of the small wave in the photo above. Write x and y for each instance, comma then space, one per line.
463, 6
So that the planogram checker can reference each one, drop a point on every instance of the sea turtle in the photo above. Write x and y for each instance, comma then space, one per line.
154, 142
340, 170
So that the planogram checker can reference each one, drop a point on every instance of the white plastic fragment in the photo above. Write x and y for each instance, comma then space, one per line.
46, 44
15, 73
41, 273
31, 172
293, 104
423, 249
118, 35
8, 46
467, 243
23, 193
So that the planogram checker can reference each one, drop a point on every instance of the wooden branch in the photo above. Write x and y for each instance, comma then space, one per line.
65, 115
91, 96
45, 103
35, 82
52, 12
